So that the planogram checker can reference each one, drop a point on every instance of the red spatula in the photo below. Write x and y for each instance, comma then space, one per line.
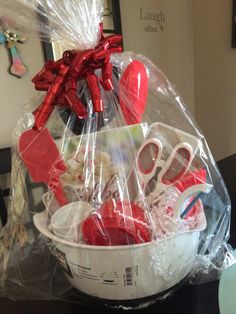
42, 158
133, 92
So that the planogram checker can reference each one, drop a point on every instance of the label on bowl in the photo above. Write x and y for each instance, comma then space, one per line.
105, 277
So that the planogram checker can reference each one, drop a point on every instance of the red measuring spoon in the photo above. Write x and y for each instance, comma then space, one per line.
43, 161
133, 92
116, 223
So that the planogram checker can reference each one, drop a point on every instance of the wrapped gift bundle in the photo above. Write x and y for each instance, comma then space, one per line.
134, 204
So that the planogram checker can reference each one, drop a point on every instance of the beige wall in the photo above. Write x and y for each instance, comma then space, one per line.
15, 92
194, 50
215, 75
171, 49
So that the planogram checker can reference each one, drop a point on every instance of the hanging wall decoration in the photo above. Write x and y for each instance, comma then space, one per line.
10, 38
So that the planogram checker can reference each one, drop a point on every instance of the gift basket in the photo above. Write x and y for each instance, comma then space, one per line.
135, 205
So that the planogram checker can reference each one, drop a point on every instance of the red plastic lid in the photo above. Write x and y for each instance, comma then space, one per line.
116, 223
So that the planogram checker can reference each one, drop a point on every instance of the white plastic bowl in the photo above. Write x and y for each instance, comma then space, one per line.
124, 272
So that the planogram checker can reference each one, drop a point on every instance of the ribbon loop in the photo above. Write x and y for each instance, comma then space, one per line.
59, 78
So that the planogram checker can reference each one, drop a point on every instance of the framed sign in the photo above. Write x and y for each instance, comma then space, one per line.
111, 17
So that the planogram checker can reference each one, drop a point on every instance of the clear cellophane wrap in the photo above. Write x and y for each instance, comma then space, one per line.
130, 203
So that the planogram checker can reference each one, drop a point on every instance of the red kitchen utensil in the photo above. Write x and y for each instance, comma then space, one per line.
43, 161
133, 91
116, 223
192, 178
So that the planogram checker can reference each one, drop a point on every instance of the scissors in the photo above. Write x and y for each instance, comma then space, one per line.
157, 174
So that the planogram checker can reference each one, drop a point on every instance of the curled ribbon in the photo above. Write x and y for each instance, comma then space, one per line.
59, 79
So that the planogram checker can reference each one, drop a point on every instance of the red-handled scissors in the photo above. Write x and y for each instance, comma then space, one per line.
157, 174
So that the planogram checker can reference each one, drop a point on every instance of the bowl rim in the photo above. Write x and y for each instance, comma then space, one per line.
43, 229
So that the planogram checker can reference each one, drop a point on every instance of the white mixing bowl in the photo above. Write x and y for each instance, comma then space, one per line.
124, 272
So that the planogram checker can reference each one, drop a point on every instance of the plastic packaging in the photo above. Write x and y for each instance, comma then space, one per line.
135, 205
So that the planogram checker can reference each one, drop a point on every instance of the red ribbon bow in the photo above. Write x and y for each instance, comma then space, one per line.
59, 79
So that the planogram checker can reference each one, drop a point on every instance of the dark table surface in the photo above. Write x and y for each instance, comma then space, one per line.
201, 299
